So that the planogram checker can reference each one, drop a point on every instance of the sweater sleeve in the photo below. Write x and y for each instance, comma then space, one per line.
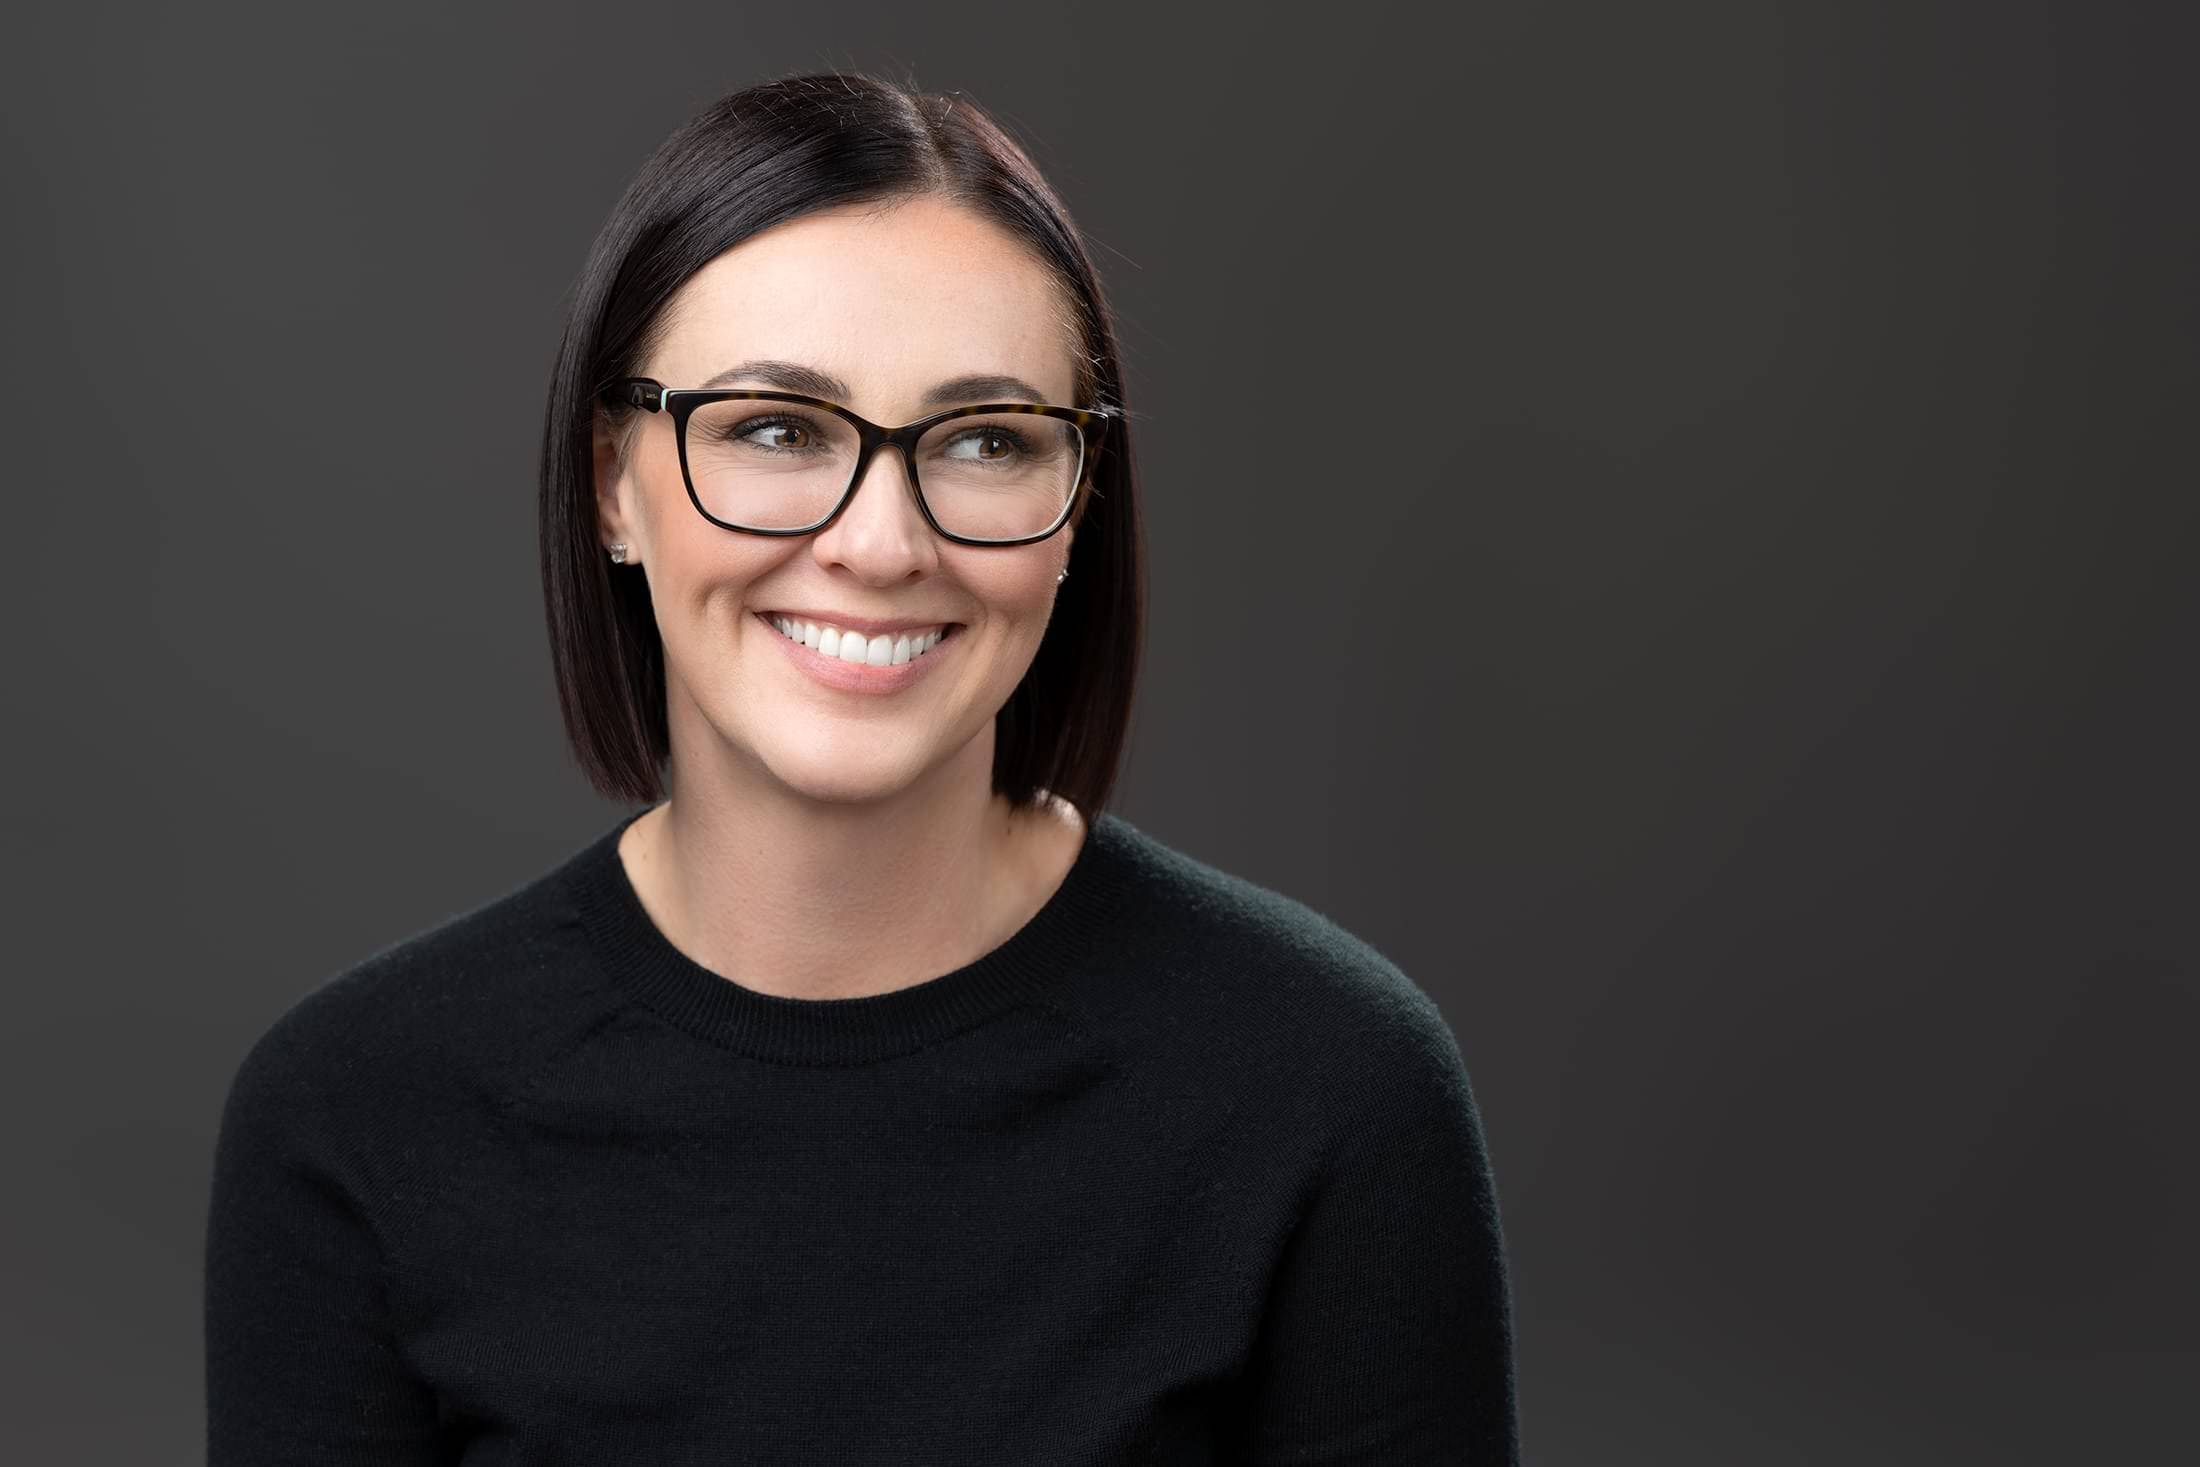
1386, 1335
300, 1362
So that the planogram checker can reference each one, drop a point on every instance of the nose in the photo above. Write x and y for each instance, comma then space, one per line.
880, 532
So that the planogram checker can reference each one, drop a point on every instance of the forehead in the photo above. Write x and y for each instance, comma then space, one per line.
892, 300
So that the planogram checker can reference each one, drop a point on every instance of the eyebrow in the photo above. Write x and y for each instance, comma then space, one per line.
954, 392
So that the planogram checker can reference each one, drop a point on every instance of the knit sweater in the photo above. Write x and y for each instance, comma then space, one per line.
1179, 1172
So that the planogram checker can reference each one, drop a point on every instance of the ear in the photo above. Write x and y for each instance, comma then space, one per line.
613, 525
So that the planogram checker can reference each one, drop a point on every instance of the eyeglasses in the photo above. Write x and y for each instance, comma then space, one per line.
779, 463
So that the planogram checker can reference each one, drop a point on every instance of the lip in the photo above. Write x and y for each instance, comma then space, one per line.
860, 677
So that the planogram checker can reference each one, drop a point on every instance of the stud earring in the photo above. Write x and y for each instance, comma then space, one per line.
618, 555
1063, 576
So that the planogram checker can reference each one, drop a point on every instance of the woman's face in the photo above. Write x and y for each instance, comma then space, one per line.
891, 304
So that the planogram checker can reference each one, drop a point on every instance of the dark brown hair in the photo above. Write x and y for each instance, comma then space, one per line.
756, 158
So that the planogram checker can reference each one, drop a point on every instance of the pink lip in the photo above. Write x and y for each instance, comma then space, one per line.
859, 677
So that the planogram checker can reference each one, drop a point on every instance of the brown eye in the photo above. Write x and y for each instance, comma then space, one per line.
799, 435
993, 445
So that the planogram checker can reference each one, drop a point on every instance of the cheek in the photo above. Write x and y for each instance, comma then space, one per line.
1019, 588
702, 569
702, 584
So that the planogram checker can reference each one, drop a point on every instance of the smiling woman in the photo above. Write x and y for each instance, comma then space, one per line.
875, 1093
769, 499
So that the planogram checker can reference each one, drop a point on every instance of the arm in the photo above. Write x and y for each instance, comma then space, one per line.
1387, 1334
300, 1363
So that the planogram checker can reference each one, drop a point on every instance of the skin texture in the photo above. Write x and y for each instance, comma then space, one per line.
818, 843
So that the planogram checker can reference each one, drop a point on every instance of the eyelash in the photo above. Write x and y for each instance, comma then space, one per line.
747, 426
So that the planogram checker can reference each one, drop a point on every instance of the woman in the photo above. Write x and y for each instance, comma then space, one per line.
873, 1095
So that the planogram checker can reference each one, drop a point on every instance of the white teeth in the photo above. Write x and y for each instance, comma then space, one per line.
884, 650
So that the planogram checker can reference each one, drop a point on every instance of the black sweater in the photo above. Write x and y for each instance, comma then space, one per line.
1182, 1172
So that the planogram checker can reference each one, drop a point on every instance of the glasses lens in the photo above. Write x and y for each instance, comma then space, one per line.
769, 465
999, 476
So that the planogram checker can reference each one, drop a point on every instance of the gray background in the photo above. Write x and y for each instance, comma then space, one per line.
1752, 691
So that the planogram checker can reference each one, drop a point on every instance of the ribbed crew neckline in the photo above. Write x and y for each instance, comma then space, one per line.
636, 955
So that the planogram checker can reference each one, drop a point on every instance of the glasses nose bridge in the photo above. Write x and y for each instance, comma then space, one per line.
874, 438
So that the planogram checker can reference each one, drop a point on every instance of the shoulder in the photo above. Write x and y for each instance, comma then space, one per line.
448, 1013
1287, 982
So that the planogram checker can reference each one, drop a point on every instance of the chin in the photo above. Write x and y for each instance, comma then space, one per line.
860, 778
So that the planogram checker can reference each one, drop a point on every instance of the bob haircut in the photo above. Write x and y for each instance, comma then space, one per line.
756, 158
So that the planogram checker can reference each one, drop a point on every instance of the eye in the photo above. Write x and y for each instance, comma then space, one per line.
801, 434
998, 444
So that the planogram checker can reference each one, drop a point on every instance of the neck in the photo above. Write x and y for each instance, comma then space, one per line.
798, 897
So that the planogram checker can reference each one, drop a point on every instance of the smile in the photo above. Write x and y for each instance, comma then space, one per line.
854, 663
888, 649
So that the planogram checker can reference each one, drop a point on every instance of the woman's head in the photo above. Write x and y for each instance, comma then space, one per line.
866, 244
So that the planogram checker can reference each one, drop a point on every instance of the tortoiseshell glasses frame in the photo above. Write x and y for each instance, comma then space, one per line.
681, 403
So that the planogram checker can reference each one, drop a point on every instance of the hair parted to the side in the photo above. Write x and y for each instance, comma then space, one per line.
756, 158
